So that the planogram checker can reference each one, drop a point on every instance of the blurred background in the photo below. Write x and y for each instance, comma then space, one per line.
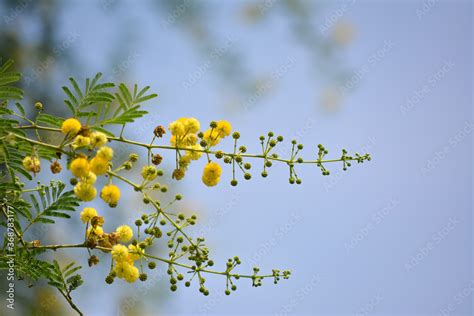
391, 78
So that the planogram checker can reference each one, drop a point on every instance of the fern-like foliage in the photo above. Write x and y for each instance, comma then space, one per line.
27, 266
64, 279
53, 203
7, 91
101, 106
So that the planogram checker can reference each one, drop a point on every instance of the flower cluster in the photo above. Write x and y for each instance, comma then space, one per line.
217, 131
184, 135
123, 256
86, 170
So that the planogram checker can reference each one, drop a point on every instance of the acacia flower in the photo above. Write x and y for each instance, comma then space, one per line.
149, 173
194, 154
99, 165
81, 141
110, 194
120, 253
211, 136
80, 167
177, 128
223, 128
56, 167
96, 231
90, 178
85, 191
87, 214
71, 126
32, 164
190, 139
98, 139
212, 174
192, 125
126, 271
124, 233
106, 153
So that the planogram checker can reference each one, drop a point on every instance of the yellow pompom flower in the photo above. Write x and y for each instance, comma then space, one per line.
120, 268
90, 178
212, 174
136, 253
96, 231
223, 128
81, 141
87, 214
106, 153
126, 271
149, 173
110, 194
85, 191
71, 126
98, 139
192, 125
80, 167
132, 274
32, 164
177, 128
194, 155
125, 233
190, 140
120, 253
211, 137
99, 165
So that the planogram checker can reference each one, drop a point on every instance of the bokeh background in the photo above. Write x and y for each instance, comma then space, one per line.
392, 78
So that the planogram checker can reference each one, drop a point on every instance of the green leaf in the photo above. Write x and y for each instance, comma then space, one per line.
55, 205
128, 116
7, 91
50, 120
20, 109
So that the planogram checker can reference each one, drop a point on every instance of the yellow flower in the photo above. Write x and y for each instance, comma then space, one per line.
90, 178
136, 253
223, 128
212, 174
192, 125
87, 214
71, 126
149, 173
177, 128
194, 155
80, 167
98, 139
124, 233
184, 162
120, 253
120, 268
85, 191
32, 164
126, 271
131, 274
81, 141
190, 140
173, 140
99, 165
97, 231
106, 153
110, 194
211, 137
